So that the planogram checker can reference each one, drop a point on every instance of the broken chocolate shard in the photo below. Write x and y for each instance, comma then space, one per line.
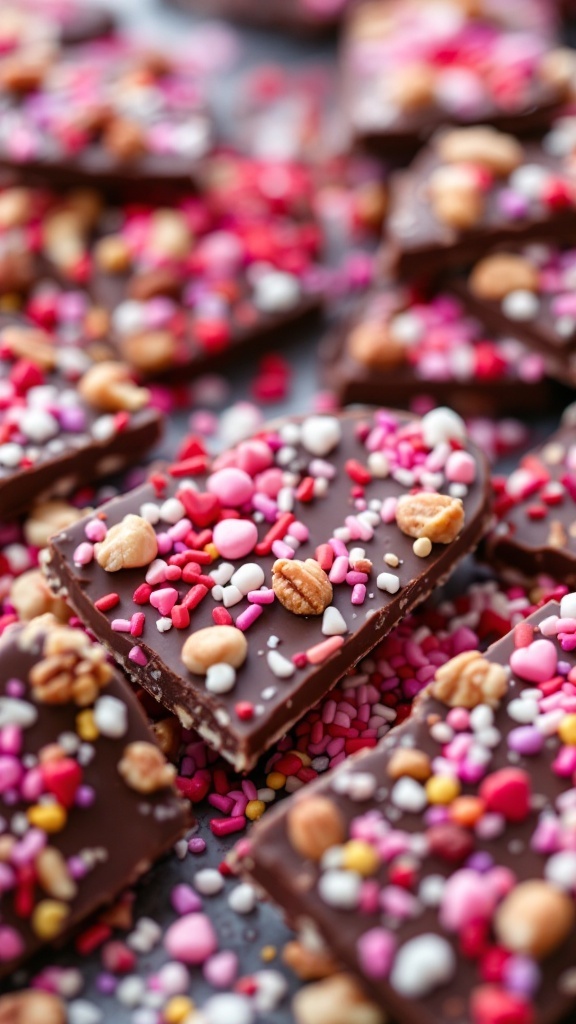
232, 551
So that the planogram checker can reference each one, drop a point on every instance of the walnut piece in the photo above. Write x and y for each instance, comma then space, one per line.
109, 386
308, 964
128, 545
314, 824
214, 645
144, 768
32, 1007
436, 516
30, 343
336, 1000
149, 351
497, 152
48, 518
31, 596
372, 344
71, 669
302, 587
496, 276
468, 680
534, 919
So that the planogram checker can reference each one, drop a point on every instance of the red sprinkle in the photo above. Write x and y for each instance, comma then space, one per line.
104, 604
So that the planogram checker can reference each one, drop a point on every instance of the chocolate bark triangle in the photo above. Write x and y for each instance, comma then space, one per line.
535, 533
472, 190
87, 799
409, 67
64, 421
446, 849
417, 348
106, 113
239, 592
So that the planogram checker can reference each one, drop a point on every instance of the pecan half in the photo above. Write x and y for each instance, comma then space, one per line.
302, 587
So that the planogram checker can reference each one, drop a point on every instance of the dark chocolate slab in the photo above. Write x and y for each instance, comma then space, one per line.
405, 347
536, 505
533, 203
409, 67
104, 831
442, 983
52, 439
106, 113
262, 704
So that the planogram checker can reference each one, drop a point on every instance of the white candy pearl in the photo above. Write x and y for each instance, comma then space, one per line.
220, 678
333, 622
441, 425
422, 965
321, 434
111, 717
340, 889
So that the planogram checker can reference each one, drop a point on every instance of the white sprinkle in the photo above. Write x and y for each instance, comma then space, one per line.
340, 889
17, 712
333, 622
560, 869
520, 304
422, 964
220, 678
111, 716
231, 596
409, 795
242, 899
388, 582
225, 1008
281, 667
441, 425
320, 435
568, 606
208, 882
81, 1011
172, 511
248, 577
163, 624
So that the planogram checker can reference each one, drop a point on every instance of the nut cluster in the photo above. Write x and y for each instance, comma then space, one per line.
435, 516
128, 545
71, 669
144, 768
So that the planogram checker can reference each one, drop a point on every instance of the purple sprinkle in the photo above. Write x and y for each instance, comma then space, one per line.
197, 845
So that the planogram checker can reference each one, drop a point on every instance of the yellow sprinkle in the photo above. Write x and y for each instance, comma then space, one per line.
276, 780
268, 953
442, 789
86, 726
255, 809
359, 856
48, 817
177, 1009
48, 919
422, 547
567, 730
392, 560
212, 550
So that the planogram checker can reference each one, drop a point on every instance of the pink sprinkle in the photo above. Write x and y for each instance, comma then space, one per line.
358, 593
339, 569
221, 970
121, 625
95, 530
156, 572
226, 826
320, 652
137, 656
300, 531
388, 510
191, 939
282, 550
354, 577
83, 554
261, 596
376, 949
338, 547
248, 617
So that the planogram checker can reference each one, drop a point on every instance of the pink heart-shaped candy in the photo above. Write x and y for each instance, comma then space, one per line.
536, 663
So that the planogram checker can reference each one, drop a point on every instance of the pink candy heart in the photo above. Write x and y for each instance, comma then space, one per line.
536, 663
164, 600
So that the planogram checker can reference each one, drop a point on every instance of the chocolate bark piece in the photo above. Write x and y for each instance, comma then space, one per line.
87, 800
26, 22
302, 17
55, 437
317, 488
473, 190
176, 288
397, 856
536, 507
528, 291
409, 68
139, 123
404, 346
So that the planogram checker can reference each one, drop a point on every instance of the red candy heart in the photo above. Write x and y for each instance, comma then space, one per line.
202, 508
62, 778
507, 792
